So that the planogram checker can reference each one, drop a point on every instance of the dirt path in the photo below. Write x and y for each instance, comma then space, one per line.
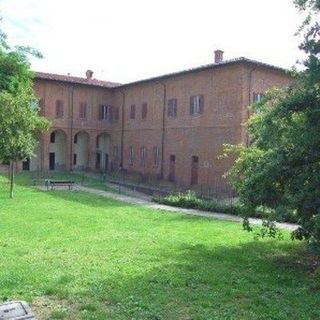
147, 202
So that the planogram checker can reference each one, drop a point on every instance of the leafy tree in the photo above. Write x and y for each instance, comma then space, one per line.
19, 119
280, 170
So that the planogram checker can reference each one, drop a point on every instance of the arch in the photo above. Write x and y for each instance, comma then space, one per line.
103, 151
80, 160
58, 150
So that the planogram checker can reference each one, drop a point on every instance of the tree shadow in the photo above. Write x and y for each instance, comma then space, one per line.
198, 282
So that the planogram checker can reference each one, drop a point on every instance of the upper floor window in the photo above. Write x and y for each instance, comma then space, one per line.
104, 112
258, 97
144, 110
172, 107
196, 104
155, 153
133, 111
53, 137
143, 155
130, 157
83, 111
59, 109
41, 107
115, 113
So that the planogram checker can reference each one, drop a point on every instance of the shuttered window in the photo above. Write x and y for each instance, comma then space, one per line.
59, 109
115, 113
130, 155
83, 111
155, 153
143, 155
172, 107
258, 97
133, 111
196, 104
108, 113
144, 110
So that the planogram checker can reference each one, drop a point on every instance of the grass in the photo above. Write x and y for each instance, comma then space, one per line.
74, 255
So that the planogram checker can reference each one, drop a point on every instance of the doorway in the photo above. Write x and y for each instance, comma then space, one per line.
172, 168
26, 165
194, 170
52, 160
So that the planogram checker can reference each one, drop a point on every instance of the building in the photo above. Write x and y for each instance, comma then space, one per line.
170, 127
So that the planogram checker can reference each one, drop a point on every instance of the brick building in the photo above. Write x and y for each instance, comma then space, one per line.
171, 127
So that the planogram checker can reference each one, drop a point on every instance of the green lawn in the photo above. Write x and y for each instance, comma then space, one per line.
78, 256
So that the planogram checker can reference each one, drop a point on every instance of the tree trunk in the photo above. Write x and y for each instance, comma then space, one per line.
11, 178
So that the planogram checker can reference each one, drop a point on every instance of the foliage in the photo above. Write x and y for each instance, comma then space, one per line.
19, 119
190, 200
281, 168
84, 256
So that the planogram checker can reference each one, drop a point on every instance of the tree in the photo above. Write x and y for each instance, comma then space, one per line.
19, 115
280, 170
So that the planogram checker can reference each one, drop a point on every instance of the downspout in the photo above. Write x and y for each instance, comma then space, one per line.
122, 127
163, 128
71, 130
249, 100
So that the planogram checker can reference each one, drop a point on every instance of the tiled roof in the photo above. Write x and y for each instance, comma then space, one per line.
107, 84
208, 66
77, 80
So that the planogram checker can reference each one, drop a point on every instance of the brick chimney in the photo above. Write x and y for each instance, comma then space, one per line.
89, 74
218, 56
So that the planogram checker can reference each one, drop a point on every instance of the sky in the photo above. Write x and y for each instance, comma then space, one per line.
128, 40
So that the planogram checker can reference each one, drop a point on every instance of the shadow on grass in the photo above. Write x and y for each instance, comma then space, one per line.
216, 283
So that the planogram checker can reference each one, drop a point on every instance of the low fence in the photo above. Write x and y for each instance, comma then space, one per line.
124, 183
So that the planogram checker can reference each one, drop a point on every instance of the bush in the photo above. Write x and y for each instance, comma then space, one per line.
190, 200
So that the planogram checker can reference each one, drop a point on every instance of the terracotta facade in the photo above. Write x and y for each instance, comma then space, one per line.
181, 144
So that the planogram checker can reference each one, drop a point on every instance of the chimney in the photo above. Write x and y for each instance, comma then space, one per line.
89, 74
218, 56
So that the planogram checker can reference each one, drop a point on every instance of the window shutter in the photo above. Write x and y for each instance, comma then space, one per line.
201, 107
144, 110
100, 116
116, 113
254, 97
59, 108
110, 111
191, 105
175, 106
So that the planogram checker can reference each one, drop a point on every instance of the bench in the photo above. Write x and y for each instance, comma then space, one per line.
51, 184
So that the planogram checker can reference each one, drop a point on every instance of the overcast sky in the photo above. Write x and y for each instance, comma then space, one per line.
127, 40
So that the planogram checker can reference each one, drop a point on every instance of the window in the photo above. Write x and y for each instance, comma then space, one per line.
115, 152
75, 139
143, 155
172, 107
59, 109
83, 111
133, 111
144, 110
41, 107
130, 155
105, 113
115, 112
53, 137
74, 159
258, 97
196, 104
155, 153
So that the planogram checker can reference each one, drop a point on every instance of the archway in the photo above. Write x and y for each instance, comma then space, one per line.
58, 150
103, 152
80, 159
